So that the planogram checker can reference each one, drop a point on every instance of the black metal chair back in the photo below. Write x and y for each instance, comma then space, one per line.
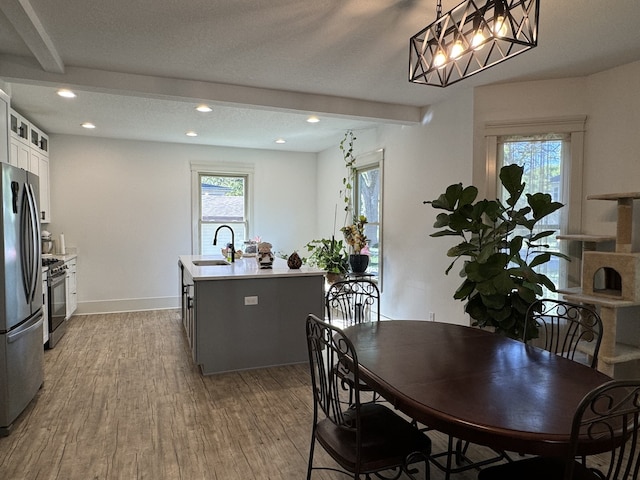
353, 301
363, 438
609, 413
565, 328
331, 356
604, 442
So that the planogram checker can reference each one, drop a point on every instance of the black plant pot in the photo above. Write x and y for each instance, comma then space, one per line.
359, 263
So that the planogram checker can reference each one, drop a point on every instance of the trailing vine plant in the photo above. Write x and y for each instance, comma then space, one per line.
346, 192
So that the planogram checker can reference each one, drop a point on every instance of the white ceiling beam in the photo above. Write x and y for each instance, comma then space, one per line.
17, 70
26, 22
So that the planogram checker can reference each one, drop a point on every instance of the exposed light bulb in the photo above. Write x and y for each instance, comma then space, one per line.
191, 133
204, 108
281, 141
88, 125
440, 59
500, 26
313, 119
477, 42
457, 49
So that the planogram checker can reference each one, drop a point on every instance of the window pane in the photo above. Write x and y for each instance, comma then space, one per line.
222, 202
368, 189
368, 204
541, 157
222, 198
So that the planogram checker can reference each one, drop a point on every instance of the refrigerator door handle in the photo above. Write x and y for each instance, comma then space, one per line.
35, 323
30, 245
35, 240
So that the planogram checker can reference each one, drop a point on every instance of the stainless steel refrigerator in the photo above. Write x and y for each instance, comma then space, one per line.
21, 317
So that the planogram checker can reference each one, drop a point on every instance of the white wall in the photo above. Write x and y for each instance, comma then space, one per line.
419, 163
612, 146
126, 207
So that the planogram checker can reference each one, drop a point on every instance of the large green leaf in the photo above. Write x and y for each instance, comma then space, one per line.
511, 178
495, 302
446, 233
442, 220
486, 288
540, 259
501, 314
479, 272
465, 290
459, 222
539, 235
542, 204
468, 195
503, 283
463, 248
448, 200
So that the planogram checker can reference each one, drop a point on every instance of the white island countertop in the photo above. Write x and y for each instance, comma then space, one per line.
246, 267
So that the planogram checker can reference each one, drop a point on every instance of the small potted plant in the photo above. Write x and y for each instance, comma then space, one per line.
329, 255
357, 241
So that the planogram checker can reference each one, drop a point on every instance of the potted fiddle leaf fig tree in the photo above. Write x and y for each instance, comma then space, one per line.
500, 248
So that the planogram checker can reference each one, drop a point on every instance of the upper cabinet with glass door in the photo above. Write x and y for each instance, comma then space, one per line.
29, 150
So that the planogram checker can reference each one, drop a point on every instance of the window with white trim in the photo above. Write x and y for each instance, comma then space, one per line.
550, 151
367, 193
220, 198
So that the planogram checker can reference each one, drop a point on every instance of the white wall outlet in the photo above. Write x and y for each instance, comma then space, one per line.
253, 300
432, 316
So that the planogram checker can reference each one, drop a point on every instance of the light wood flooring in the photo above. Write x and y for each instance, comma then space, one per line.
123, 400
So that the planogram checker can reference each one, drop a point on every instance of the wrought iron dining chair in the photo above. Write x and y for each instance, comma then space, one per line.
352, 301
364, 438
347, 303
608, 416
566, 329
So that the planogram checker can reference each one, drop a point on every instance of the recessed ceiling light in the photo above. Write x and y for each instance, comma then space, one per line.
66, 93
88, 125
203, 108
313, 119
191, 133
281, 140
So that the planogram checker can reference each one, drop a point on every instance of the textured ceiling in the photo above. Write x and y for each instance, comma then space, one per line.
141, 67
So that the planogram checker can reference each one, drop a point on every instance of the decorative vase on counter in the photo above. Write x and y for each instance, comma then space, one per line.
358, 262
294, 261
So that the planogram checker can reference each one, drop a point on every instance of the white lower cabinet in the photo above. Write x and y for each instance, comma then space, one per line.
71, 287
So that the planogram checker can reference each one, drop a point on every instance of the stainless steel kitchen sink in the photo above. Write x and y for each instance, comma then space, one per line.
210, 263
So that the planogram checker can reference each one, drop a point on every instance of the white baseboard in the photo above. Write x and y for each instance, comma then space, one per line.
127, 305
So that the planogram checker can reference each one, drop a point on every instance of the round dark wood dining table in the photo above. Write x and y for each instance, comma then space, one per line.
473, 384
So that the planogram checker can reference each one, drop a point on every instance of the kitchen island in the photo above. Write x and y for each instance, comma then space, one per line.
237, 316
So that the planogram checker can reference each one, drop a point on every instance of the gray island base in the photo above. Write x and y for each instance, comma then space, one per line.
239, 317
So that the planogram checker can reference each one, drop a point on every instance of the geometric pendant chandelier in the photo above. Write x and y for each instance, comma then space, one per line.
475, 35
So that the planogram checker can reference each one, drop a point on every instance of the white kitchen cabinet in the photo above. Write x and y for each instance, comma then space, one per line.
29, 150
20, 153
19, 127
71, 287
39, 164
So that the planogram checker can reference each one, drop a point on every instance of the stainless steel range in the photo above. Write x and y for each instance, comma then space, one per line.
57, 305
